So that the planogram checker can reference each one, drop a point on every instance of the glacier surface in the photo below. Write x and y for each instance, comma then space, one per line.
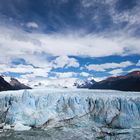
45, 108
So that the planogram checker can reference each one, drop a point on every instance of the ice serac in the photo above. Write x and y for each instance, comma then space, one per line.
52, 108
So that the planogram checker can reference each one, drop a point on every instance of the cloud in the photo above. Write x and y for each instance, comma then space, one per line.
116, 72
101, 32
32, 25
66, 79
69, 74
61, 82
26, 71
104, 67
134, 69
84, 74
65, 74
97, 79
47, 51
17, 69
105, 14
36, 47
65, 61
130, 16
138, 64
20, 45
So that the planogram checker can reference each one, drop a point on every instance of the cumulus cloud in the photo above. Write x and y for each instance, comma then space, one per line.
65, 61
32, 25
104, 67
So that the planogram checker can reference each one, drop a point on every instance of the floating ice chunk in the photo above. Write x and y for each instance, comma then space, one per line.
7, 127
20, 127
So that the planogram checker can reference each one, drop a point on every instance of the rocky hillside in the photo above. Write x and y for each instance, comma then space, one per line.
129, 82
4, 85
12, 84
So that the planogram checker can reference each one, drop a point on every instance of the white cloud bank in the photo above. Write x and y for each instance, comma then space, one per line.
36, 49
105, 66
28, 70
70, 74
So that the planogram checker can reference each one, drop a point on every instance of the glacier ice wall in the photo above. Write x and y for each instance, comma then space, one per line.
37, 108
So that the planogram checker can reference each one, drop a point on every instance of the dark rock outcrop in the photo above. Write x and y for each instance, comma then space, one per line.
4, 85
17, 85
13, 85
129, 82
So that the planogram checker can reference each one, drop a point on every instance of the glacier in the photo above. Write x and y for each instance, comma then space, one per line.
52, 108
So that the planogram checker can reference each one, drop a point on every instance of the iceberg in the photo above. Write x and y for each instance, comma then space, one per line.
43, 108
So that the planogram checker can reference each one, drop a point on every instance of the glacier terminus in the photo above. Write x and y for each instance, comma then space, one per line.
103, 111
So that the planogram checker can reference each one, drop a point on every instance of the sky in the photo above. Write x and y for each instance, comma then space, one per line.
69, 39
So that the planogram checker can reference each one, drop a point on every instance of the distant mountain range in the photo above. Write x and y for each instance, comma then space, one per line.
11, 84
129, 82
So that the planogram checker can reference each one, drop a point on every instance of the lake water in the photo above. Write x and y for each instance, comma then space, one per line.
68, 133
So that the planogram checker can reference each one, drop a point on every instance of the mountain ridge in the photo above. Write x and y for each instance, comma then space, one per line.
128, 82
12, 84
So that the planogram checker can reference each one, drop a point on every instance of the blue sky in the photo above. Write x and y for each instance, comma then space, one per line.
69, 39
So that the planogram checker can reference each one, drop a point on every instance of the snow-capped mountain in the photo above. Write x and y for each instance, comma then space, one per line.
9, 83
84, 83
